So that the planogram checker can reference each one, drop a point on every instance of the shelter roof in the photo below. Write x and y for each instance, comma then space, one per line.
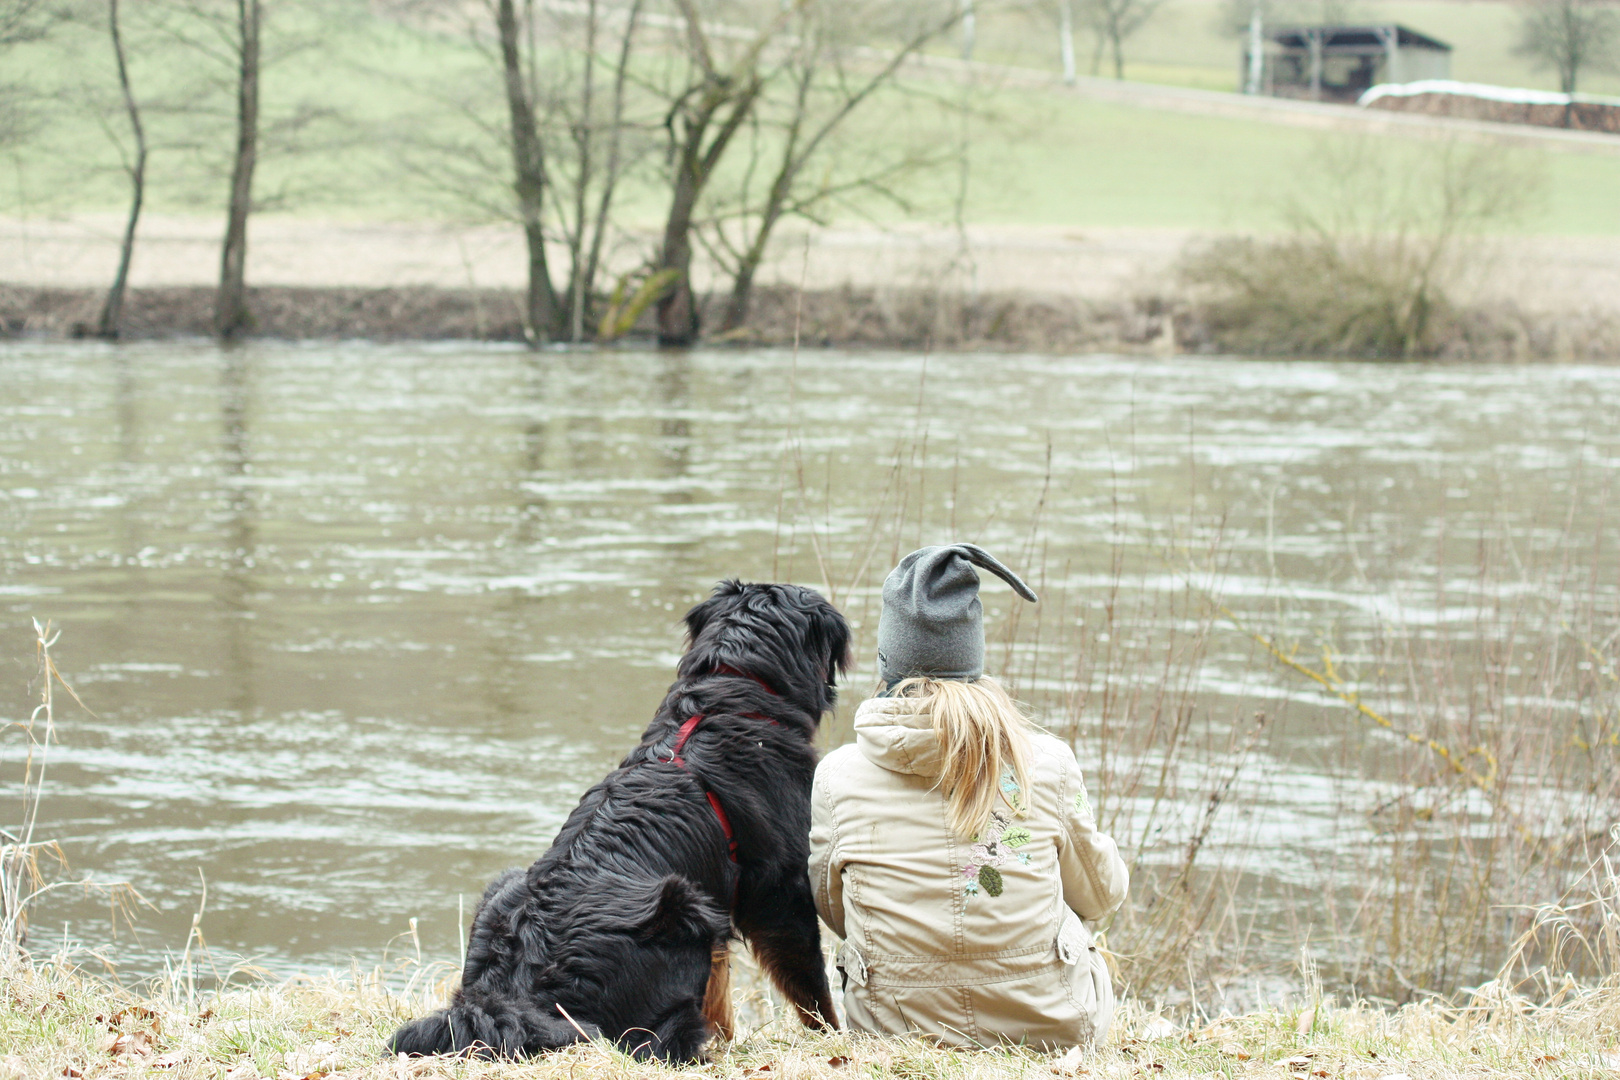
1356, 38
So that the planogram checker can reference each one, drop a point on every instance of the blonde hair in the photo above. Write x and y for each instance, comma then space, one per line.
983, 735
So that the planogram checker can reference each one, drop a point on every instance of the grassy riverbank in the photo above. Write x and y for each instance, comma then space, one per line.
56, 1022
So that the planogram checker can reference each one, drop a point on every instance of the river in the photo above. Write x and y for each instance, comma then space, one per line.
359, 623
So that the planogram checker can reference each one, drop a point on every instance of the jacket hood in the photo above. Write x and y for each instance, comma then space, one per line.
894, 734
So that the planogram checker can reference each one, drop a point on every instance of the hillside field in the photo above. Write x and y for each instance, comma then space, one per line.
378, 93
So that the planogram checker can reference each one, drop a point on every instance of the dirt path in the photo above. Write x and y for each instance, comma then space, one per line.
1544, 274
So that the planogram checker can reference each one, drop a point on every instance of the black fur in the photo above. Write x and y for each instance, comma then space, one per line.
615, 923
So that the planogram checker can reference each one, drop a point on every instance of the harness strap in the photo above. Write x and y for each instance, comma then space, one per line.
714, 800
686, 733
727, 669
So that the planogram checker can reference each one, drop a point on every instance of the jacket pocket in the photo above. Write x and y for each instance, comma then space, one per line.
851, 963
1074, 941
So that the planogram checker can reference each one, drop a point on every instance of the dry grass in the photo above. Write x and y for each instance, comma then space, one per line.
1467, 743
56, 1022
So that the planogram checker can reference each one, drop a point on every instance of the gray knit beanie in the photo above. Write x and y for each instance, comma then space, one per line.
932, 623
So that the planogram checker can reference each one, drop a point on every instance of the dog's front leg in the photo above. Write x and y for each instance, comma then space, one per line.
778, 920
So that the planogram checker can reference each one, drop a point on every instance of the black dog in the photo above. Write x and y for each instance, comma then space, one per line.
703, 827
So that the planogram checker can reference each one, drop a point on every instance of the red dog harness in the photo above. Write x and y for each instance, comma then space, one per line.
686, 733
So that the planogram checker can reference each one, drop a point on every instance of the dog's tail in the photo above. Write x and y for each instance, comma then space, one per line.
481, 1023
489, 1026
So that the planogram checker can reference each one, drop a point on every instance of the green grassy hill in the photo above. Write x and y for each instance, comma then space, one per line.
379, 95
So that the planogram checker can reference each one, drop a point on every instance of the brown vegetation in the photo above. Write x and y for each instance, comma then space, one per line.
849, 317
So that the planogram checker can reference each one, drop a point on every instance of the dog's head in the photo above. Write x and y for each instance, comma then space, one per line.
787, 636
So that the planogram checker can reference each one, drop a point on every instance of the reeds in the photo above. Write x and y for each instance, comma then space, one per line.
1464, 745
22, 877
25, 861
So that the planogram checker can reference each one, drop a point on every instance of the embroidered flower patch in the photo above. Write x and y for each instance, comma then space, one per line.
991, 849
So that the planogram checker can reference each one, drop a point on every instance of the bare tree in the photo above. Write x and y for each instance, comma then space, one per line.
112, 309
550, 150
1113, 22
705, 117
1569, 36
1066, 39
585, 228
1234, 16
219, 104
22, 22
825, 88
231, 315
529, 171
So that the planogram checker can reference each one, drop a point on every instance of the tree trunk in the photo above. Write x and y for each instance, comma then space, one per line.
678, 321
742, 282
231, 315
677, 308
1117, 40
529, 178
1066, 39
112, 310
576, 244
611, 177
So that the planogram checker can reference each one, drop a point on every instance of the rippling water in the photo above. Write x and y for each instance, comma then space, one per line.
359, 623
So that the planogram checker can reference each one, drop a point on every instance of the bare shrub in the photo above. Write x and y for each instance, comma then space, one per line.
1371, 256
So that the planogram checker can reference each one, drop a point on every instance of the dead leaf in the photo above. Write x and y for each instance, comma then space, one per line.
1233, 1050
130, 1042
1545, 1059
1320, 1073
1298, 1061
1069, 1063
169, 1060
72, 1073
1306, 1021
139, 1012
1158, 1028
838, 1061
312, 1062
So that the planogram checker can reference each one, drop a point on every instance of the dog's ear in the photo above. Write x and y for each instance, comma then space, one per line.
832, 631
674, 910
699, 616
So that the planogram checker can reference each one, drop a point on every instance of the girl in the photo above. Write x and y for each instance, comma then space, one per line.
953, 847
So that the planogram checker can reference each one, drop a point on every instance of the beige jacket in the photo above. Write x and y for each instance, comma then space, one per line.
971, 942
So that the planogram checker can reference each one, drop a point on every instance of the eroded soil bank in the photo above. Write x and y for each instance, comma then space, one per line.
848, 316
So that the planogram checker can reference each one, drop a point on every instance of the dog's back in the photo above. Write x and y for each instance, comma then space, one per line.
704, 827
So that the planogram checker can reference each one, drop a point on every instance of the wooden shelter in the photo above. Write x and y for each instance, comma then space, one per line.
1340, 63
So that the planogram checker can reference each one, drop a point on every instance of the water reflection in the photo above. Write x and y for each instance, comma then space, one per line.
237, 586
